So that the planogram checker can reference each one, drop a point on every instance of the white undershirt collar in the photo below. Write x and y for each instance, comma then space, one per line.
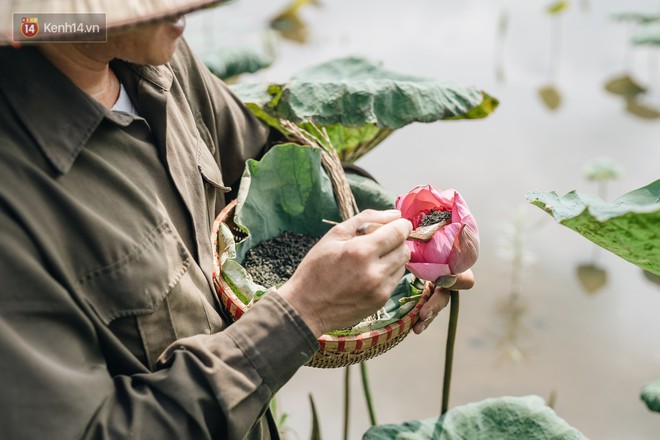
124, 103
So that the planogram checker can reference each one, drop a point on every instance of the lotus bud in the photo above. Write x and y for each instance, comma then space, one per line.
451, 250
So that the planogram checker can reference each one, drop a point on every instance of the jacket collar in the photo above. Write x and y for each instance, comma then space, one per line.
59, 116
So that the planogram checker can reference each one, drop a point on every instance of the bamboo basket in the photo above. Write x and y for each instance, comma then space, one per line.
334, 351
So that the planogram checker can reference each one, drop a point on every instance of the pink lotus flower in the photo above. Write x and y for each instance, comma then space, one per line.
451, 250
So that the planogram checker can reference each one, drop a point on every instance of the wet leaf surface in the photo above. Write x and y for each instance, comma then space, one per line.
500, 418
360, 103
627, 227
647, 33
651, 395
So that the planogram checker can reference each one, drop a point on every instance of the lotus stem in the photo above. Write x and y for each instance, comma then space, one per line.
347, 398
449, 351
367, 393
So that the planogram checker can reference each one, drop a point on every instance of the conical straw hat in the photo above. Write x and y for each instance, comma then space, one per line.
119, 13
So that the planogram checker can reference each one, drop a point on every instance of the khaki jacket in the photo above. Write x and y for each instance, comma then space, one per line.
110, 325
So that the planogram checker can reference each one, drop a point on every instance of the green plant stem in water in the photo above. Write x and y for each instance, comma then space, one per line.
449, 351
316, 430
347, 398
367, 393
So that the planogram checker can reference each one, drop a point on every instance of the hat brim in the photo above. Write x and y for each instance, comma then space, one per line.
119, 14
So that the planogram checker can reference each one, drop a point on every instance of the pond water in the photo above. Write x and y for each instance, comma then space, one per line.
539, 333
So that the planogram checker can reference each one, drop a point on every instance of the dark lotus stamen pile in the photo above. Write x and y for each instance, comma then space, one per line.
434, 217
273, 261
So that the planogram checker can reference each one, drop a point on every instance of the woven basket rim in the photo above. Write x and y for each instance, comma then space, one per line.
347, 349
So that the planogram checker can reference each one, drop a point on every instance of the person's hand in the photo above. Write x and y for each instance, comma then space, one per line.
440, 297
345, 277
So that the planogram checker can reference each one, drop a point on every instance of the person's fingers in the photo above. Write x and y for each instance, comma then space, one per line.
377, 231
438, 301
390, 236
462, 281
386, 272
446, 281
441, 296
351, 225
396, 257
430, 310
394, 278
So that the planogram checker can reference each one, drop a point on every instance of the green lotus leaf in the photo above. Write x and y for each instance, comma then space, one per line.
360, 103
226, 243
355, 91
654, 278
651, 395
241, 281
627, 227
648, 30
500, 418
353, 142
557, 7
226, 63
638, 17
647, 33
284, 191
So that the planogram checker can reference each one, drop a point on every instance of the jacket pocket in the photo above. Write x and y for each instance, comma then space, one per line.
214, 186
137, 283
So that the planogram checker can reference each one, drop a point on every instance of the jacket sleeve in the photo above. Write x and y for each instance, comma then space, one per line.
56, 383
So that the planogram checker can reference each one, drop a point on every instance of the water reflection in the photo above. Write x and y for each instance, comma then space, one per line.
512, 342
592, 277
638, 99
550, 96
549, 93
513, 247
624, 85
641, 109
499, 49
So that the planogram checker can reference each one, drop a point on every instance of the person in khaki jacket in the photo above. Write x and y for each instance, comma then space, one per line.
114, 160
